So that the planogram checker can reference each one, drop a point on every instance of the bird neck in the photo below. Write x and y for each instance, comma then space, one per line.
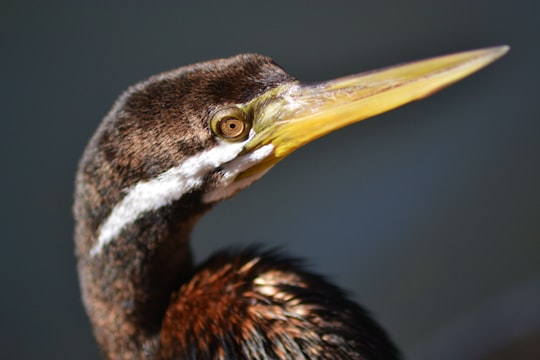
127, 286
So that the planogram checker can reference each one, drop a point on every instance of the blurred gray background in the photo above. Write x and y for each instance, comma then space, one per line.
428, 215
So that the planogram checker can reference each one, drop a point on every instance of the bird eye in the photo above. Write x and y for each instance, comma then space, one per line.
230, 123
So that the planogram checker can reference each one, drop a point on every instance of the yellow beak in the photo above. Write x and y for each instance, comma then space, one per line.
294, 114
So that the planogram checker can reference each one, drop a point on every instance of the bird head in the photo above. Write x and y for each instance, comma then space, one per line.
200, 134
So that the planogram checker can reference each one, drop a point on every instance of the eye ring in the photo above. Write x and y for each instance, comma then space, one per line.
230, 123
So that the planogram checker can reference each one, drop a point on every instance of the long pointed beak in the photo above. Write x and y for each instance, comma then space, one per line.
294, 114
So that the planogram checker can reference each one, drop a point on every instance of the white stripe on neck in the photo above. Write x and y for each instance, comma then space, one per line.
230, 185
163, 190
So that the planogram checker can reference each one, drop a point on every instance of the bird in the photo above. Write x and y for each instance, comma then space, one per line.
176, 144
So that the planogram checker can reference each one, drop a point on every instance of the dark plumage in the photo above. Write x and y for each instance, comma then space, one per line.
263, 305
170, 148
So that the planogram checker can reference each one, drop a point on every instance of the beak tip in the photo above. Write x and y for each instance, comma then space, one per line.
497, 52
